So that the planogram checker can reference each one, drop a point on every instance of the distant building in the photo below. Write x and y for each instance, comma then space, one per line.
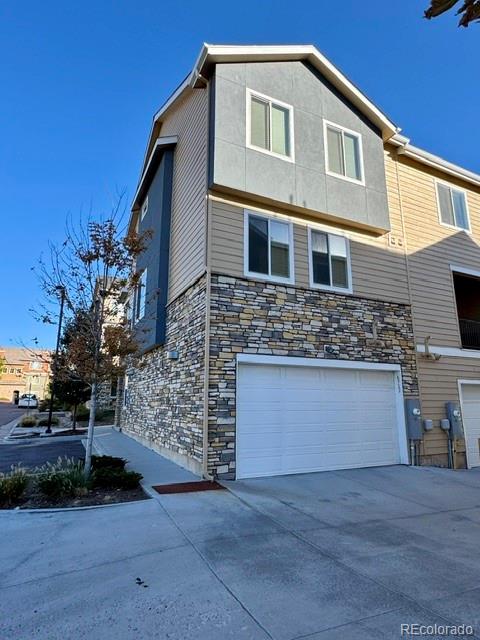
23, 371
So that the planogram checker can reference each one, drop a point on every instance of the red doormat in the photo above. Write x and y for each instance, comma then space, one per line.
188, 487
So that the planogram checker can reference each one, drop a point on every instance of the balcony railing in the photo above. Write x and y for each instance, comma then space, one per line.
470, 333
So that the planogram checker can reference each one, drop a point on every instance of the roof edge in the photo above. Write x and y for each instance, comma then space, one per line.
431, 160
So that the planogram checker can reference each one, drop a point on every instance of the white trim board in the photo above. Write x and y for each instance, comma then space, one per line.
253, 358
454, 268
460, 397
453, 352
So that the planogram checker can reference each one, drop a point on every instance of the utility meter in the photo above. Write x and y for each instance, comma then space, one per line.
454, 415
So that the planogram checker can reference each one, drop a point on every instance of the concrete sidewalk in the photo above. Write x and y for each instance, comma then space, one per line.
154, 468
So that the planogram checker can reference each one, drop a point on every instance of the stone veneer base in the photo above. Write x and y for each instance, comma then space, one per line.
165, 397
248, 316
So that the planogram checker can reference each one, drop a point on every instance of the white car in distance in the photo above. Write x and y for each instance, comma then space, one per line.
28, 401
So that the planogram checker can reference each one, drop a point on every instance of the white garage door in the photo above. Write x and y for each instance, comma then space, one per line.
294, 419
471, 422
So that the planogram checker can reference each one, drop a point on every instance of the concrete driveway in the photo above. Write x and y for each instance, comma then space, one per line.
347, 555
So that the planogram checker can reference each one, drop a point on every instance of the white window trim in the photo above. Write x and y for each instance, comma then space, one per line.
326, 124
460, 190
139, 311
144, 209
246, 248
125, 391
284, 105
326, 287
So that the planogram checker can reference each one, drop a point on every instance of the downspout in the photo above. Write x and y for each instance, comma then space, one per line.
409, 287
206, 372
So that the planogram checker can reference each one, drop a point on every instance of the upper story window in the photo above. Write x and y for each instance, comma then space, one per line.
452, 206
269, 125
141, 296
144, 208
268, 248
329, 257
343, 150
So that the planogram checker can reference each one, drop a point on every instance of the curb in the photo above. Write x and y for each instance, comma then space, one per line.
147, 491
63, 509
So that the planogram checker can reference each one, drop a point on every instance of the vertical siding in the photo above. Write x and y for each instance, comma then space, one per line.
378, 270
188, 121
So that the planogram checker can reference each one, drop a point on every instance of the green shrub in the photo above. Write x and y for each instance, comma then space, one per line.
101, 415
44, 405
65, 478
28, 421
108, 462
105, 415
43, 422
12, 485
115, 478
82, 413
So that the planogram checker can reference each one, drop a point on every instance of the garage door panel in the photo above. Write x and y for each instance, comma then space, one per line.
471, 422
293, 419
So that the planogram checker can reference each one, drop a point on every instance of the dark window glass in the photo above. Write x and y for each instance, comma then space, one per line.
257, 245
320, 261
339, 272
279, 249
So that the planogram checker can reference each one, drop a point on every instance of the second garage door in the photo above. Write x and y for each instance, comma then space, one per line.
295, 419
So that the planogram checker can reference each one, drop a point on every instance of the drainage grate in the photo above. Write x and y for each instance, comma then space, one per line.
188, 487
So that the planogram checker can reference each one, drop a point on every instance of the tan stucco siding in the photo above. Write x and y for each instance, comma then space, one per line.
378, 270
188, 121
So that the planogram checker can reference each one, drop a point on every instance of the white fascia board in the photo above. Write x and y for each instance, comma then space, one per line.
173, 97
212, 54
410, 151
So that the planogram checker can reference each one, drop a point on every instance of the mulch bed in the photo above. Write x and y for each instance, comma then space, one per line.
70, 432
188, 487
32, 499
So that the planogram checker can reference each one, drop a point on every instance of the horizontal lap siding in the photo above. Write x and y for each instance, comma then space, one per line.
188, 121
432, 247
378, 271
438, 385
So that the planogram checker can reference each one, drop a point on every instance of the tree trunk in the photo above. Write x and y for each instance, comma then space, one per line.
74, 417
91, 424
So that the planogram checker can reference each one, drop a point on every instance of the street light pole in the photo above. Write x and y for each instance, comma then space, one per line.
57, 348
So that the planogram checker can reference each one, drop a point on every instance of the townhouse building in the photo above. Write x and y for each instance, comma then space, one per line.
298, 271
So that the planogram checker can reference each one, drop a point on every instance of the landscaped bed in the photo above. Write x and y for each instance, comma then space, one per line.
64, 484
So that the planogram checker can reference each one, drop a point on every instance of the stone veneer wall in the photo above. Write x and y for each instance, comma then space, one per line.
257, 317
104, 400
164, 408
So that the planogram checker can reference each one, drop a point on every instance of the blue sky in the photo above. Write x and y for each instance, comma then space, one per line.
80, 82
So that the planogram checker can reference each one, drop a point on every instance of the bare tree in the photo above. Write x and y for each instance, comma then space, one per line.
95, 268
469, 10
